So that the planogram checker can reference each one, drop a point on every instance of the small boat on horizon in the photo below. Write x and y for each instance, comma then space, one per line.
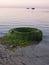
27, 8
32, 8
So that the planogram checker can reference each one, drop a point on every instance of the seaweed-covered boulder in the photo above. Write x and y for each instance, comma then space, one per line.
24, 36
24, 33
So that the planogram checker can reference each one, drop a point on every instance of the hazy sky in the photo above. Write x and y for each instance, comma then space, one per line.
24, 3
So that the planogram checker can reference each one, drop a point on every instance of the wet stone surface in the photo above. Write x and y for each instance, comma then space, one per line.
30, 55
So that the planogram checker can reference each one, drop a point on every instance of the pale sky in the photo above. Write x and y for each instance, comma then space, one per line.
24, 3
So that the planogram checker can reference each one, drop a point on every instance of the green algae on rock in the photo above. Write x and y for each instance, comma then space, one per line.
23, 36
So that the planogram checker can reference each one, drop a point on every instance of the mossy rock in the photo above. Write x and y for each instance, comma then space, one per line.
23, 33
23, 36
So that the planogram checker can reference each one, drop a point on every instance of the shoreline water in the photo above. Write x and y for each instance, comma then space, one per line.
31, 55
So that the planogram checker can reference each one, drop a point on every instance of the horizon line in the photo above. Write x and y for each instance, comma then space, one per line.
28, 7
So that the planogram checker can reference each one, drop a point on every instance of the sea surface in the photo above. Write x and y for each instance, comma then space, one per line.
22, 17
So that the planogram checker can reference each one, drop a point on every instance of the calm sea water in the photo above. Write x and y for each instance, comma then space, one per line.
18, 17
38, 18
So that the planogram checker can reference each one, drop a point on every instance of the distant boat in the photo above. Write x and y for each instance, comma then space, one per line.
33, 8
27, 8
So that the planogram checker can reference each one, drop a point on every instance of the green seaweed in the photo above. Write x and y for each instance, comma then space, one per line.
22, 36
